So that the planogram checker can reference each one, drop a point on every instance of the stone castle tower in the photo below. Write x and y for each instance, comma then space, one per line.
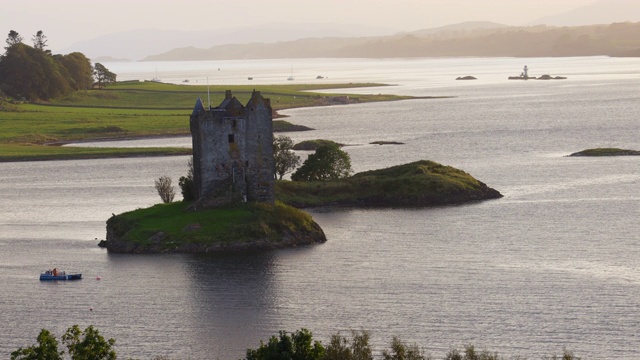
233, 151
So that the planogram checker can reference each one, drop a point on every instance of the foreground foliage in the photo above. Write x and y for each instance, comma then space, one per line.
81, 345
301, 346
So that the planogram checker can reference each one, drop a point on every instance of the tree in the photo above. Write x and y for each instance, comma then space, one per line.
284, 157
187, 186
102, 75
88, 344
78, 67
298, 346
40, 41
402, 351
165, 189
359, 348
327, 163
13, 38
47, 348
32, 74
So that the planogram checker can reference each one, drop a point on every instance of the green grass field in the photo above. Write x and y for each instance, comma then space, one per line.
131, 109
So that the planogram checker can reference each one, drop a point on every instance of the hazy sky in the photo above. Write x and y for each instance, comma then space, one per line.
65, 22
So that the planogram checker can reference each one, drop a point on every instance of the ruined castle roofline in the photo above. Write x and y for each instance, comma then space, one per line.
230, 106
199, 107
257, 98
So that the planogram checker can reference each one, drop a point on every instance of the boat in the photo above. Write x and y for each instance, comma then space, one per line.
156, 79
290, 78
250, 78
56, 274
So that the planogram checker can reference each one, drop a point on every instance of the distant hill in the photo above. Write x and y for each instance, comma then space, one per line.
600, 12
109, 59
618, 39
460, 28
137, 44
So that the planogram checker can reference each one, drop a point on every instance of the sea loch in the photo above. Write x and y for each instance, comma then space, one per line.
552, 265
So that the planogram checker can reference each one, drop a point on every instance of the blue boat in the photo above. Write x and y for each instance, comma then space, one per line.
56, 274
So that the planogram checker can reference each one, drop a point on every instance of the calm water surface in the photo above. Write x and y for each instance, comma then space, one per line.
553, 264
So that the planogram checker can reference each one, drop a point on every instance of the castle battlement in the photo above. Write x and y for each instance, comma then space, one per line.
233, 151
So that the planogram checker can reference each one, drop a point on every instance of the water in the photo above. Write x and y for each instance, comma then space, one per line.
553, 264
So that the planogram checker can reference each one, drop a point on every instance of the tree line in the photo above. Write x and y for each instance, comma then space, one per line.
34, 73
298, 345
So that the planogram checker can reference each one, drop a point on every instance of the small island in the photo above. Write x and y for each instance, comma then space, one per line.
175, 228
386, 143
419, 184
468, 77
607, 152
524, 75
285, 126
311, 145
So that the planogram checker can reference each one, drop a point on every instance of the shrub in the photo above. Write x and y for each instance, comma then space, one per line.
187, 186
165, 189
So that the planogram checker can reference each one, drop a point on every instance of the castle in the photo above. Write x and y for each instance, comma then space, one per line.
233, 151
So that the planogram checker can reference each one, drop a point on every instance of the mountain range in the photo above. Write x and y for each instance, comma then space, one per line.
548, 36
618, 39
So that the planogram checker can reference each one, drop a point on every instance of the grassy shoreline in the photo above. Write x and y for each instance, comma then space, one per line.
172, 228
136, 110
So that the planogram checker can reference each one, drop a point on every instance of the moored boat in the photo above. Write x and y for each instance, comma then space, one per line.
56, 274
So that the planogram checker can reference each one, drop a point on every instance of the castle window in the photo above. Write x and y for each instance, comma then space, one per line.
234, 123
231, 138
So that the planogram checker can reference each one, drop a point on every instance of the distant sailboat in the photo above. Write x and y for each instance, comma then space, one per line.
156, 79
291, 77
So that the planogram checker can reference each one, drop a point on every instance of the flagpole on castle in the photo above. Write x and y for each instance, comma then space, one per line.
208, 94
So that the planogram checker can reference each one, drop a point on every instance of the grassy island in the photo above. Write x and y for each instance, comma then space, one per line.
421, 183
312, 145
174, 228
606, 152
133, 109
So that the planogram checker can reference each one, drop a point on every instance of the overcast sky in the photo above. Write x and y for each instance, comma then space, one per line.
65, 22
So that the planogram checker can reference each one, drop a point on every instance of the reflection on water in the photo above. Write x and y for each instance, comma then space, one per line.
551, 265
229, 293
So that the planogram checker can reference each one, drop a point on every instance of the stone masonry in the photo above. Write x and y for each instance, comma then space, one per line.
233, 151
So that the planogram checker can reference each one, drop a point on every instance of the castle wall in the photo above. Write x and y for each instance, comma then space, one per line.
232, 151
260, 147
